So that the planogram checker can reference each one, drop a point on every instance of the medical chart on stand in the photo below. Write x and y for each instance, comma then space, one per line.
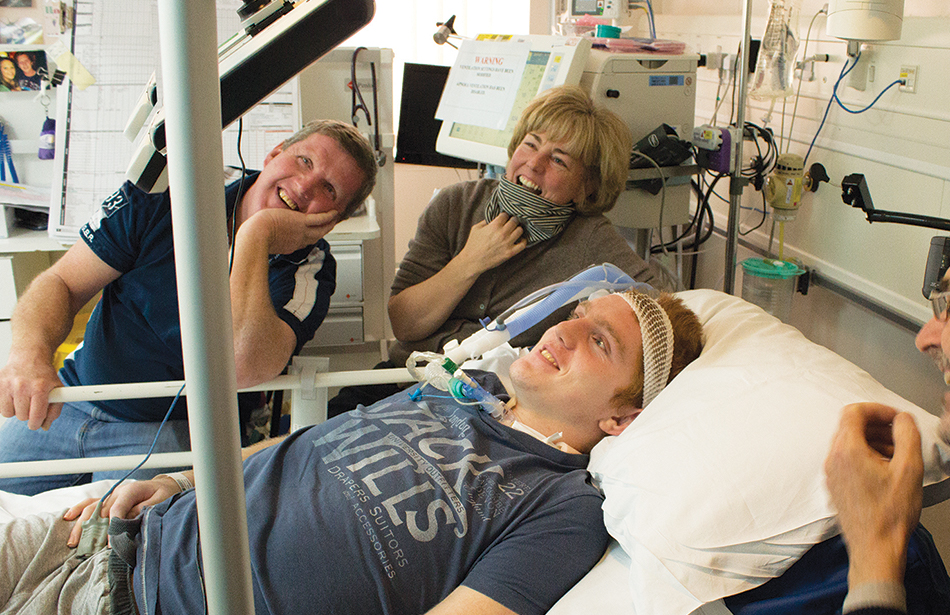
117, 42
483, 83
493, 79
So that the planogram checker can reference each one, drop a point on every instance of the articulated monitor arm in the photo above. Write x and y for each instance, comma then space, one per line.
855, 192
278, 40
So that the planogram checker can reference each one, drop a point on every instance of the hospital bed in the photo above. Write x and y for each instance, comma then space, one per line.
718, 485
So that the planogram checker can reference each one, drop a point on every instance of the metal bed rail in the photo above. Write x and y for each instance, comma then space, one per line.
308, 382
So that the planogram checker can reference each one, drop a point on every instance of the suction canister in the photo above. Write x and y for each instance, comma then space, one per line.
770, 284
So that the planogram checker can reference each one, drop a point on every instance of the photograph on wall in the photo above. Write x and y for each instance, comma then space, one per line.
16, 4
21, 71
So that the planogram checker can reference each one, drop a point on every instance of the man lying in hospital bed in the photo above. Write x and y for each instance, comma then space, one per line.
421, 501
717, 489
718, 492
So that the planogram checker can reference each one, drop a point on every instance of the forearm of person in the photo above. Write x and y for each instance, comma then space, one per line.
419, 311
263, 342
883, 562
246, 452
42, 319
874, 472
470, 602
130, 499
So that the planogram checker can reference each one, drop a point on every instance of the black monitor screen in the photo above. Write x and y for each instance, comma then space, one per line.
422, 86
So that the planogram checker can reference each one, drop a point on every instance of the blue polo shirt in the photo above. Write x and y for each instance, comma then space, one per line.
134, 335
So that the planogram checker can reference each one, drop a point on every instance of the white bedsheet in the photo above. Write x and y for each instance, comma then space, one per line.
12, 505
605, 590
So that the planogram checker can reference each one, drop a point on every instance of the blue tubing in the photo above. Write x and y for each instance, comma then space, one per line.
601, 276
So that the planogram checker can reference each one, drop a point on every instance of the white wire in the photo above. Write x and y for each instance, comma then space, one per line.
801, 79
719, 102
659, 170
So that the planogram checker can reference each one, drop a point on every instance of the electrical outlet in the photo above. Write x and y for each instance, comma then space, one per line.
714, 59
909, 76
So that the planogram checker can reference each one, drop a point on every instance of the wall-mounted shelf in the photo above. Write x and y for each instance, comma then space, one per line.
24, 240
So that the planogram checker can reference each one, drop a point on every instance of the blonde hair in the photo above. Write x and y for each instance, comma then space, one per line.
594, 135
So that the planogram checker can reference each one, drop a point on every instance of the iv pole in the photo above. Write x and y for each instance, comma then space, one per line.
736, 181
195, 159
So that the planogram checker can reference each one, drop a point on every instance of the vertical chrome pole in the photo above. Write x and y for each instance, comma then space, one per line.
192, 104
736, 181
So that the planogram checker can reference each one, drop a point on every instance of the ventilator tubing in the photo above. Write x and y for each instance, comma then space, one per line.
462, 386
520, 318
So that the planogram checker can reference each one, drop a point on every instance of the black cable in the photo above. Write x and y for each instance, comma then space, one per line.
700, 237
709, 212
240, 194
355, 107
355, 93
703, 212
735, 85
762, 221
764, 163
703, 209
683, 234
695, 259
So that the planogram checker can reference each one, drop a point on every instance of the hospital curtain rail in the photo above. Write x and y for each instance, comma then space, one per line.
308, 407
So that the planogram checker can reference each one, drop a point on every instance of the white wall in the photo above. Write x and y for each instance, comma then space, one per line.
415, 185
901, 145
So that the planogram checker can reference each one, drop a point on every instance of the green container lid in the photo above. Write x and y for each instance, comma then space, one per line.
607, 31
771, 268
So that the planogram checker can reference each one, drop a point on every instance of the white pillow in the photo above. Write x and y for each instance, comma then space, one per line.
718, 485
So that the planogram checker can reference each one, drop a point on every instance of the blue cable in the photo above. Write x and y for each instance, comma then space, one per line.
834, 91
652, 23
841, 104
834, 99
150, 449
95, 529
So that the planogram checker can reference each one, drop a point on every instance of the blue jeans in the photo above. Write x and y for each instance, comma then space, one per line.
82, 430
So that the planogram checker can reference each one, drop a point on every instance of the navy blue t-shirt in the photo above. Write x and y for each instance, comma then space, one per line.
134, 335
388, 510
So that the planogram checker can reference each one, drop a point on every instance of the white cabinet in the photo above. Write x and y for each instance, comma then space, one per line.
343, 325
354, 300
349, 273
17, 269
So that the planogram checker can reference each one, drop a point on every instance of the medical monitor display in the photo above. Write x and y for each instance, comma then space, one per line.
551, 61
586, 7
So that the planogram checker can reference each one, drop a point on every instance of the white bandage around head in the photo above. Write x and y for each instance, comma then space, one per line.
656, 332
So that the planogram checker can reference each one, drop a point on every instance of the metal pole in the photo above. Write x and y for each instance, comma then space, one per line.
192, 104
82, 465
310, 388
736, 181
140, 390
